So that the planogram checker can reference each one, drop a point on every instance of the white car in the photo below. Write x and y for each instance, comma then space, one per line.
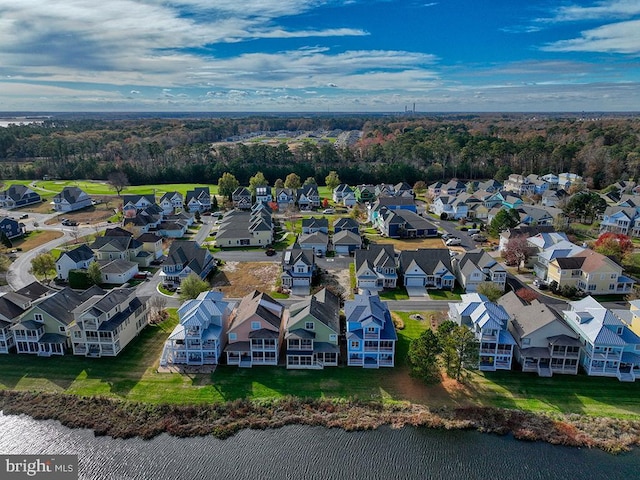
453, 241
328, 211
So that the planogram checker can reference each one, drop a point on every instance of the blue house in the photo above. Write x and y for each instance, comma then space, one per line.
11, 228
391, 203
18, 196
371, 335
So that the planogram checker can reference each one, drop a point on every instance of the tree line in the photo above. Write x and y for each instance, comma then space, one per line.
392, 149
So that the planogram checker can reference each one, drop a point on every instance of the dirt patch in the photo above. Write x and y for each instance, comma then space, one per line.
237, 279
448, 392
35, 239
410, 244
93, 214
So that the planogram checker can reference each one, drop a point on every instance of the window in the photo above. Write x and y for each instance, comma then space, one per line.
233, 337
526, 341
255, 325
62, 330
334, 338
38, 317
355, 344
371, 329
309, 326
591, 287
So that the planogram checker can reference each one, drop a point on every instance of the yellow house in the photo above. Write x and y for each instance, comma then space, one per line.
590, 272
635, 316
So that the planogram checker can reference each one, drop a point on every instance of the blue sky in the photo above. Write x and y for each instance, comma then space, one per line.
319, 56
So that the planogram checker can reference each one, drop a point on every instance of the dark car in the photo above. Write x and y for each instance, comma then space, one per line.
270, 252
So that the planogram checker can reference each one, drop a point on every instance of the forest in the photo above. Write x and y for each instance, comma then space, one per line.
393, 148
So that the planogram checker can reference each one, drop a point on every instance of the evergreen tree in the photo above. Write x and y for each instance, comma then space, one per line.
423, 356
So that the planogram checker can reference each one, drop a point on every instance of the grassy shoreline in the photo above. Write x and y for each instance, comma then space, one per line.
122, 419
599, 412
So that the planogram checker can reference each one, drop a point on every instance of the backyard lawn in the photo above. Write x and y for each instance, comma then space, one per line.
133, 376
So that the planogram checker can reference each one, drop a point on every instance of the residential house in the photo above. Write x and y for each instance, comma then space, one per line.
11, 228
633, 319
391, 203
435, 189
77, 259
371, 335
245, 229
255, 331
12, 306
554, 198
71, 199
474, 267
144, 219
200, 335
619, 219
519, 184
340, 191
405, 224
384, 190
307, 197
317, 242
521, 231
453, 187
566, 180
43, 329
313, 225
107, 322
489, 323
349, 199
171, 229
537, 216
285, 198
186, 257
198, 200
18, 196
403, 189
136, 202
376, 268
542, 260
452, 207
346, 242
241, 198
119, 244
552, 180
590, 272
346, 223
298, 267
151, 243
512, 201
544, 342
426, 268
312, 332
117, 271
609, 346
365, 193
171, 202
263, 194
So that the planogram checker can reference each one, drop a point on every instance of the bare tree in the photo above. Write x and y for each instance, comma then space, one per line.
157, 309
118, 181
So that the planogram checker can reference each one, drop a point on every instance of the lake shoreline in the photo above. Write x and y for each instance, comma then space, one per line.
123, 419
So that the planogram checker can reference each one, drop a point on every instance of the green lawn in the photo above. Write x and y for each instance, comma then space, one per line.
133, 376
102, 188
398, 293
446, 294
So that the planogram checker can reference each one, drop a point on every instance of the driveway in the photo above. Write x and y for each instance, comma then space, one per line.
417, 292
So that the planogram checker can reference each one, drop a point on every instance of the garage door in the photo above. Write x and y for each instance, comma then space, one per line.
414, 282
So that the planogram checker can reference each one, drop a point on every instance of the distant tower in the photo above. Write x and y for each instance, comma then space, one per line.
414, 107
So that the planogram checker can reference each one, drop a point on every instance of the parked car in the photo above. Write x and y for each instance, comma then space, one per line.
446, 236
26, 215
540, 284
478, 237
270, 252
328, 211
69, 223
453, 241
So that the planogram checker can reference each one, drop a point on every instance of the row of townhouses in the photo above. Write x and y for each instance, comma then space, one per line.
258, 330
94, 323
547, 342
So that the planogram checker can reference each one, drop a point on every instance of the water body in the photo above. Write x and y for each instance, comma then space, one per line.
298, 452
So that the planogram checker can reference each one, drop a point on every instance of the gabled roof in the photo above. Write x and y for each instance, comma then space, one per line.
70, 194
258, 304
188, 253
315, 223
34, 290
169, 196
324, 306
382, 255
61, 304
346, 223
317, 238
79, 254
293, 255
429, 260
347, 237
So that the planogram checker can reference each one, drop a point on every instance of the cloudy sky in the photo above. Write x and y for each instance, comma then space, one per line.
319, 55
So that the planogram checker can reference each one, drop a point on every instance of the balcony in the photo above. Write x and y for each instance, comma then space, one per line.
371, 336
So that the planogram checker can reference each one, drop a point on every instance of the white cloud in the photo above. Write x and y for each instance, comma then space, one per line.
598, 11
622, 37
